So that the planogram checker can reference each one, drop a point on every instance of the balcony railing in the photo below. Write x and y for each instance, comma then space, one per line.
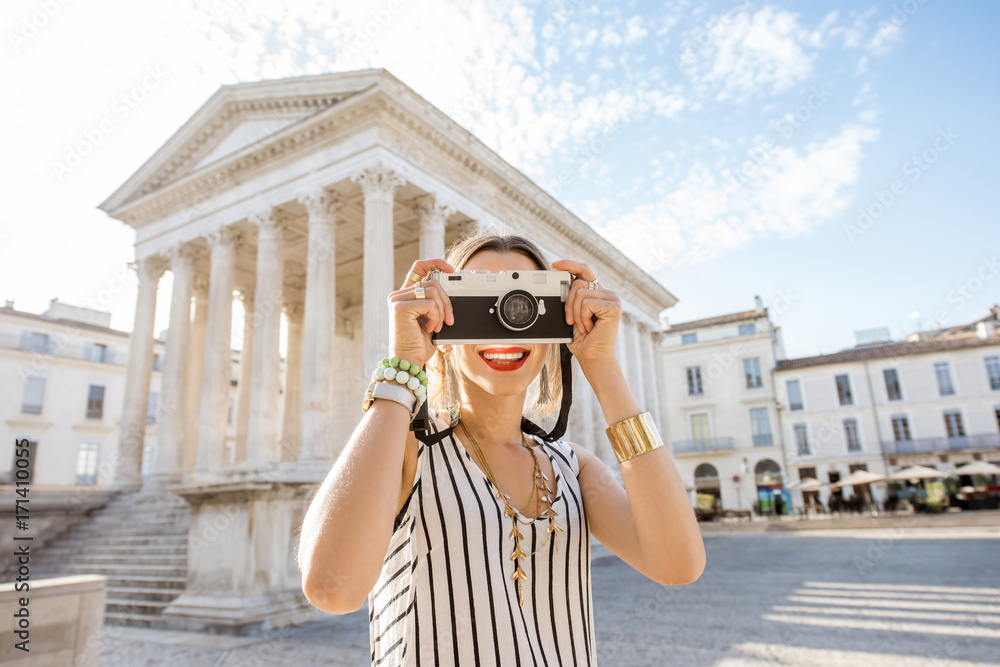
702, 445
762, 439
942, 445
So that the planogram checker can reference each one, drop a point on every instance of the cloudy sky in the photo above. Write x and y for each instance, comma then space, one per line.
837, 160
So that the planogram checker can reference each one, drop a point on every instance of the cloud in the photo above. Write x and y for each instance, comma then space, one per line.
791, 192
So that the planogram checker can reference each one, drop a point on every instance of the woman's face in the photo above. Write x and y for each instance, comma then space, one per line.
485, 365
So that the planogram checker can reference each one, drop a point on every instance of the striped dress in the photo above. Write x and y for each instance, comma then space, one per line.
445, 594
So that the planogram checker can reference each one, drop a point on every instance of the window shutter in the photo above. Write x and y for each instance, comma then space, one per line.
88, 351
26, 339
50, 347
109, 355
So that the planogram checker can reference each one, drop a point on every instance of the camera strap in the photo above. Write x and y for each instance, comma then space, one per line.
420, 423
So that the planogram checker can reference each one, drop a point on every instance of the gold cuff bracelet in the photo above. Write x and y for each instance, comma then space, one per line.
634, 436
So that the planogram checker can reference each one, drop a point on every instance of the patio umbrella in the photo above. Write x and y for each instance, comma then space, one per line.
858, 477
916, 472
807, 484
978, 468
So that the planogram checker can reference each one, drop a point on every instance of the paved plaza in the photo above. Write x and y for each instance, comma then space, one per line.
872, 597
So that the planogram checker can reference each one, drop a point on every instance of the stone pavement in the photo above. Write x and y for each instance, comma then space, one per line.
921, 596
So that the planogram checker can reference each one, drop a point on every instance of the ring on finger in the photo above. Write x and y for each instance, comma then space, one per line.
592, 284
415, 277
419, 291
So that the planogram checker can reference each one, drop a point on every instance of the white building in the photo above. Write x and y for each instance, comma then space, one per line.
932, 400
720, 404
63, 389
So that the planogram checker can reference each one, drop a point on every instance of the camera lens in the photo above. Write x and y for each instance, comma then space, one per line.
517, 310
514, 275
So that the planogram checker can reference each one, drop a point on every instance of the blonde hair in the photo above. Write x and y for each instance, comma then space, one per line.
443, 386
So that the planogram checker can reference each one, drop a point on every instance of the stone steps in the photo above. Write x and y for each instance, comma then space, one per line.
139, 542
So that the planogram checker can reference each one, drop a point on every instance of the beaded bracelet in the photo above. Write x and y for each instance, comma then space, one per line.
400, 371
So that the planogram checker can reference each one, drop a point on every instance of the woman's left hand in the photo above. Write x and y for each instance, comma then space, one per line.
592, 341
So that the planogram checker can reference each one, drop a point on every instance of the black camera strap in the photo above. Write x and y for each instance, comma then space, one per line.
420, 423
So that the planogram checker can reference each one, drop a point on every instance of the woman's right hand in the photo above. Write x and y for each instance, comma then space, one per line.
413, 319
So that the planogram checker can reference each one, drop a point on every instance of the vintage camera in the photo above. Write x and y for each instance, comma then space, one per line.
523, 306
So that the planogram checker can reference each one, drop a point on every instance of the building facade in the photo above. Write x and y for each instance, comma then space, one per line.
932, 400
724, 429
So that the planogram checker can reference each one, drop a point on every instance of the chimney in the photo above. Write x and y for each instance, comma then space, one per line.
9, 304
985, 329
758, 305
664, 323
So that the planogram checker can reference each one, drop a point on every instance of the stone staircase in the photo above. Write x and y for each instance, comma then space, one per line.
139, 542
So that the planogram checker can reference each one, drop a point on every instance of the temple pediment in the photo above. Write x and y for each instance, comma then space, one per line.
234, 118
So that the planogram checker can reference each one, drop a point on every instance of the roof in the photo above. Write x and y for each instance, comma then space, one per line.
718, 319
888, 351
70, 323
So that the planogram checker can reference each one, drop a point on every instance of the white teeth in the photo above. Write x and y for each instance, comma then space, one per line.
505, 356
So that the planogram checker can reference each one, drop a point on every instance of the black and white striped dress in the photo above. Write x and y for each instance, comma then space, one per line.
445, 594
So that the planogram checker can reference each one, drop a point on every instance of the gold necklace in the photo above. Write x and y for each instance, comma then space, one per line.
515, 534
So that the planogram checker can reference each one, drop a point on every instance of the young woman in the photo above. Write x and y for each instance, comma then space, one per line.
427, 534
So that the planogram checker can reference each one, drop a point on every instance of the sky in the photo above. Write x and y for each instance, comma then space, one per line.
836, 159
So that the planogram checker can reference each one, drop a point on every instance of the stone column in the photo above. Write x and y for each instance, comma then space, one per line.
291, 428
659, 384
319, 328
196, 363
433, 218
173, 424
217, 367
132, 436
650, 373
583, 403
379, 185
638, 366
265, 381
243, 384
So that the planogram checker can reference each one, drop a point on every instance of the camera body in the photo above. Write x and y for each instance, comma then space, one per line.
514, 306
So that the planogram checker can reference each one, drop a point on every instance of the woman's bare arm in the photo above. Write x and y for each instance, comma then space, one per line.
346, 531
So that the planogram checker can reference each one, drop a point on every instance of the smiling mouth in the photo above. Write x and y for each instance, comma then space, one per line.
504, 359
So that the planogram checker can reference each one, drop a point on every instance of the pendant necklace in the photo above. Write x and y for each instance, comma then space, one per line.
541, 490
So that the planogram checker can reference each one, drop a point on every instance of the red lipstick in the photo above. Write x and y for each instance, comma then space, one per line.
503, 364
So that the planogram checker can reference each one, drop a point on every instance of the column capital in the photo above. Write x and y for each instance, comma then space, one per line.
378, 182
246, 293
181, 257
224, 241
271, 224
322, 204
430, 211
150, 268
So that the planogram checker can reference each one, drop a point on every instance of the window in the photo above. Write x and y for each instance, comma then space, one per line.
95, 401
229, 415
801, 440
687, 339
892, 388
851, 432
844, 390
34, 388
699, 427
33, 341
996, 411
953, 424
993, 371
151, 407
854, 467
157, 362
747, 329
900, 428
146, 467
944, 378
86, 463
807, 472
794, 395
751, 369
760, 425
695, 387
97, 352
